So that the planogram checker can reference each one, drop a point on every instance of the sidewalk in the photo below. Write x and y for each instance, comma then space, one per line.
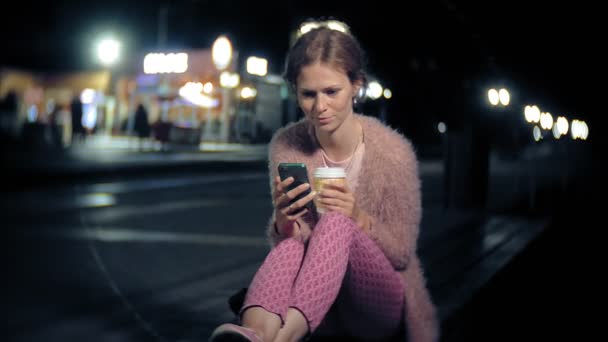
106, 156
461, 250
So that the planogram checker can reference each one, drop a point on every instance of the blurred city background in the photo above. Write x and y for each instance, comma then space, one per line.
134, 147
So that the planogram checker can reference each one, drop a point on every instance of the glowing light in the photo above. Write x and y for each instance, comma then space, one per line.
537, 133
87, 96
32, 113
562, 125
108, 51
257, 66
504, 97
555, 131
97, 200
221, 52
493, 96
579, 130
387, 93
191, 91
528, 113
441, 127
89, 115
307, 27
546, 121
229, 80
208, 88
337, 25
160, 63
374, 90
248, 93
535, 114
331, 24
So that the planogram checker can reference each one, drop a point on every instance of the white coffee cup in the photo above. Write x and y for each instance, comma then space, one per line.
327, 175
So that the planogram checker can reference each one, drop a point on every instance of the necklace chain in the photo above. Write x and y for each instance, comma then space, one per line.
352, 154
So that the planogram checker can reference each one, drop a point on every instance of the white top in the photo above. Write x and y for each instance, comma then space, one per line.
351, 165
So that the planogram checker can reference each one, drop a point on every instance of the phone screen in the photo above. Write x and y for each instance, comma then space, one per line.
300, 175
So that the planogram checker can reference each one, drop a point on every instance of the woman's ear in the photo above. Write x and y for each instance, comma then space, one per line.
357, 87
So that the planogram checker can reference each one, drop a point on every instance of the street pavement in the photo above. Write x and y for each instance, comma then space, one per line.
110, 243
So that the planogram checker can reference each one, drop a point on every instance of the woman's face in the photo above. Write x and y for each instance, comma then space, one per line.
325, 95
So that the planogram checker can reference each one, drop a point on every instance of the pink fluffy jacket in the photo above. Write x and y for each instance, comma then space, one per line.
389, 191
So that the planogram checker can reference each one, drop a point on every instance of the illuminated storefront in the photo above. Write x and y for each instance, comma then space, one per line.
198, 95
202, 93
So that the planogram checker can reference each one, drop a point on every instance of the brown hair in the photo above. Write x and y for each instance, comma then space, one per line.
335, 48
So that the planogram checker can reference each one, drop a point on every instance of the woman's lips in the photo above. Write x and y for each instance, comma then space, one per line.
324, 120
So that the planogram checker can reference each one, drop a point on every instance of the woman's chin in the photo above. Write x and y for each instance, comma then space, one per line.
328, 127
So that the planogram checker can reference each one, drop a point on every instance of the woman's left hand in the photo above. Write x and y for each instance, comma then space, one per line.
338, 197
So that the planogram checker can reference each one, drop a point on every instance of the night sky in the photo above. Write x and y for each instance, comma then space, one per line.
546, 50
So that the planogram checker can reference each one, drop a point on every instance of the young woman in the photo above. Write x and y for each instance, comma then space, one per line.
353, 270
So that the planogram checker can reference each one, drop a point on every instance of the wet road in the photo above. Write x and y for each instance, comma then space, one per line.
156, 258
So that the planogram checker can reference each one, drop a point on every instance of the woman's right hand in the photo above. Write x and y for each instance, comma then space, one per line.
286, 212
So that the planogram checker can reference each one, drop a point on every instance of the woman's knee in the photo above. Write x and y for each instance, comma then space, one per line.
335, 221
289, 244
333, 228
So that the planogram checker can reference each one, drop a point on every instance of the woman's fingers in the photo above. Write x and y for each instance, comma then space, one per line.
287, 198
297, 215
335, 194
279, 188
342, 188
282, 186
328, 201
292, 194
304, 200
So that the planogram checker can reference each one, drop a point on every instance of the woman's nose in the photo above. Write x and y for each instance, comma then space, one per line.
319, 105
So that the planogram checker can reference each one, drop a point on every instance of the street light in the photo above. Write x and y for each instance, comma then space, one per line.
108, 51
504, 97
501, 96
374, 90
257, 66
221, 53
108, 54
493, 96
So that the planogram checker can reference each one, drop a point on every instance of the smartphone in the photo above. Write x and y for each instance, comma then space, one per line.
300, 175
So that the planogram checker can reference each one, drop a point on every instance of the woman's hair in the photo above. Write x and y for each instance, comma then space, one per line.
329, 46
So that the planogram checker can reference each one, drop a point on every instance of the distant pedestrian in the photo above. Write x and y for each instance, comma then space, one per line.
142, 125
353, 271
160, 131
78, 130
8, 114
55, 126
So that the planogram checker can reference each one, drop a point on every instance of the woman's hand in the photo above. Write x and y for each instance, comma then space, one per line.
286, 212
338, 197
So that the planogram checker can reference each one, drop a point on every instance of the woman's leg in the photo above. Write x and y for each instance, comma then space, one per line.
320, 277
267, 298
373, 304
339, 252
295, 327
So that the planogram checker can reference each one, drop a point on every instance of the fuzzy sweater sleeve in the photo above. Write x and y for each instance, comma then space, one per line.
279, 151
396, 220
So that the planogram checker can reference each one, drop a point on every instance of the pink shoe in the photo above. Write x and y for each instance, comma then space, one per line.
233, 333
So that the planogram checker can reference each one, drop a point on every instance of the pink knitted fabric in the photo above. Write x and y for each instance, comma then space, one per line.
339, 259
271, 286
